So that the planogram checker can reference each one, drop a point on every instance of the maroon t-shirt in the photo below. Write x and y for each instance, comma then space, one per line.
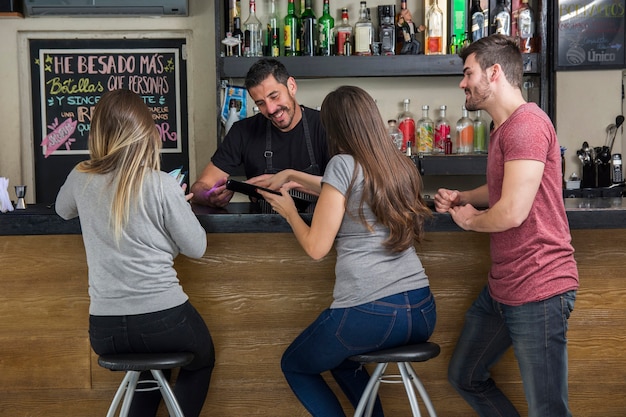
534, 261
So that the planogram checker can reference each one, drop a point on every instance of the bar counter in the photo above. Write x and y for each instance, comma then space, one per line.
257, 289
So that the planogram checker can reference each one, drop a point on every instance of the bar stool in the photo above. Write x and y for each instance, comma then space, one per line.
402, 356
133, 364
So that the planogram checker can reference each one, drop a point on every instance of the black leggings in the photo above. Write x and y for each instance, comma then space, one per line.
178, 329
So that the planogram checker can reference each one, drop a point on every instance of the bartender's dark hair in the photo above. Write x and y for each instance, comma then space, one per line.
262, 69
498, 49
393, 184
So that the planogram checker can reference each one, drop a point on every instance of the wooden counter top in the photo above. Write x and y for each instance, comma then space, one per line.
582, 213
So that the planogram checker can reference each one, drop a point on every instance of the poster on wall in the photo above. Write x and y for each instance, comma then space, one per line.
590, 34
68, 78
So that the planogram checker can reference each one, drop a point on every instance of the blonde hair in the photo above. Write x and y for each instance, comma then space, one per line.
123, 141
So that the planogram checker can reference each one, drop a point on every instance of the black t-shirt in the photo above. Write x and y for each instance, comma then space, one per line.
245, 144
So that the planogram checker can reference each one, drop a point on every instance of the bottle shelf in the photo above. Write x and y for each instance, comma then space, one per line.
362, 66
471, 164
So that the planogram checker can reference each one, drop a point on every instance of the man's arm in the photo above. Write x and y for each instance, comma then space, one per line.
210, 188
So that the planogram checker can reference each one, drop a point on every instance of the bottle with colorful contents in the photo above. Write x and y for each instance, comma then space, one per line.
272, 33
434, 30
481, 134
291, 31
425, 132
406, 124
464, 133
442, 131
325, 25
343, 31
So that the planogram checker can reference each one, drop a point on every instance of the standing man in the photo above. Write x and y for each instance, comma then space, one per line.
533, 277
284, 135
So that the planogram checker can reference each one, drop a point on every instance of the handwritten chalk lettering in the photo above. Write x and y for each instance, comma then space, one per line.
67, 114
115, 82
83, 128
82, 100
60, 99
595, 56
70, 86
151, 64
148, 99
164, 132
148, 85
60, 134
160, 113
84, 113
63, 64
160, 116
106, 64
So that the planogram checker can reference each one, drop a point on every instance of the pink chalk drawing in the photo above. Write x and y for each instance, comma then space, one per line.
60, 135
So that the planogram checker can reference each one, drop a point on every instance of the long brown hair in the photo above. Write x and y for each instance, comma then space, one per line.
393, 184
124, 141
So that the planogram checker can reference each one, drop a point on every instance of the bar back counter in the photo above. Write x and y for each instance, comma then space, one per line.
257, 290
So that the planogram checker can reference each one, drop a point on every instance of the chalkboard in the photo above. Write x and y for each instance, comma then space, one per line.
590, 34
68, 78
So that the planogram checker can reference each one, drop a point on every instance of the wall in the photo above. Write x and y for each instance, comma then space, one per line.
586, 101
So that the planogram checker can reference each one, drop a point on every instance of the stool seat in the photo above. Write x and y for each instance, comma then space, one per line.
420, 352
144, 361
402, 356
135, 363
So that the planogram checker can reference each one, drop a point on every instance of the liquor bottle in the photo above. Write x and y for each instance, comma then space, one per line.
326, 24
481, 134
442, 131
464, 133
253, 32
343, 31
434, 30
234, 10
363, 32
387, 30
406, 124
457, 16
501, 22
526, 28
308, 30
237, 34
291, 31
425, 132
272, 35
477, 22
394, 133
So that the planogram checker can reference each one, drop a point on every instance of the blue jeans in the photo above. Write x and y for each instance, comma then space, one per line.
537, 332
337, 334
178, 329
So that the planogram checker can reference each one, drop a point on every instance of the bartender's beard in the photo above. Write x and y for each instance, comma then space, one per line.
476, 97
283, 117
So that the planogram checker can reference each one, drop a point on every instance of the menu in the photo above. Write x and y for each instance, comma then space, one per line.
70, 76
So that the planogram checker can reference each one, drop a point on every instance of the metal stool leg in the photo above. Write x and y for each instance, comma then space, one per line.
168, 396
422, 391
410, 391
126, 390
368, 398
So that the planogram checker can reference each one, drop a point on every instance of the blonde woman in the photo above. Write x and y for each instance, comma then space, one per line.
370, 208
135, 220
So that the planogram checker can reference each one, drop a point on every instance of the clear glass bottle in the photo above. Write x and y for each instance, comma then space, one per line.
526, 28
501, 22
481, 133
325, 24
477, 16
464, 133
253, 33
442, 131
363, 32
238, 34
406, 124
434, 30
343, 31
387, 30
394, 133
425, 132
308, 30
273, 33
291, 31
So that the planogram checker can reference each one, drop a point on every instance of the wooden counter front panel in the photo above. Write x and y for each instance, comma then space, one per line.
256, 293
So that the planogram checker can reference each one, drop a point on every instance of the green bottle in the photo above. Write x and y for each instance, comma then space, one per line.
326, 24
292, 31
308, 30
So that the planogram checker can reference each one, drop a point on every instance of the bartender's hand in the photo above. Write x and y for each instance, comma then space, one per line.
276, 181
446, 199
216, 196
283, 204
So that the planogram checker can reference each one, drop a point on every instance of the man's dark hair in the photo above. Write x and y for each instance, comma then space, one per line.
262, 69
497, 49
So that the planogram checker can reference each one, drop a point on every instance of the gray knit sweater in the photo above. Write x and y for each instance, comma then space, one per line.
137, 276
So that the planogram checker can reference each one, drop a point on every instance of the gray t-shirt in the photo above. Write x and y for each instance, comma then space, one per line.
137, 276
365, 269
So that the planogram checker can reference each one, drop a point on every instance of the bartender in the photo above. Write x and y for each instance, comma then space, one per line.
283, 135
